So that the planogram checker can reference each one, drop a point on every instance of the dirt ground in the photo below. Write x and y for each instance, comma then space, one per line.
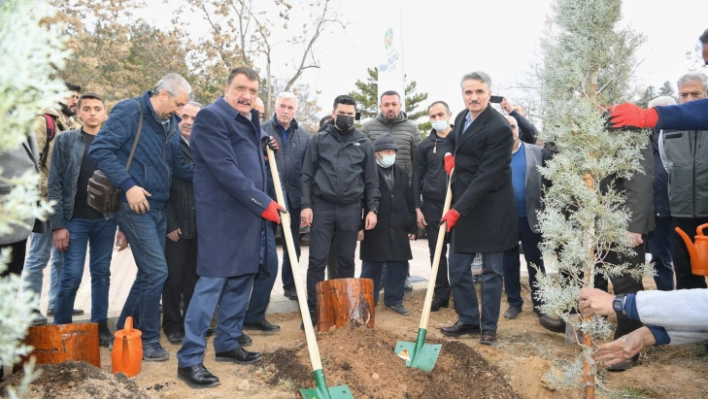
521, 358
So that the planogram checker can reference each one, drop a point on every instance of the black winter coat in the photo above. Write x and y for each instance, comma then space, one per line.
388, 241
339, 168
289, 157
429, 177
481, 185
180, 207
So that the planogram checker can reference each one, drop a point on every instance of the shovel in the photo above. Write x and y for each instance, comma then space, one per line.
321, 391
418, 354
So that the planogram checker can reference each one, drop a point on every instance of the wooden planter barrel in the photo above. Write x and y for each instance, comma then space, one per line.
345, 300
57, 343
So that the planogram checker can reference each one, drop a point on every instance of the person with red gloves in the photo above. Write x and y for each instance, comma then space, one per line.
233, 211
688, 116
483, 215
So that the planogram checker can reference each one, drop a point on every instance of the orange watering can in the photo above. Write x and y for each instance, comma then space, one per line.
698, 251
127, 355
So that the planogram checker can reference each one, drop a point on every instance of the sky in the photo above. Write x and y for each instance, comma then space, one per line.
444, 39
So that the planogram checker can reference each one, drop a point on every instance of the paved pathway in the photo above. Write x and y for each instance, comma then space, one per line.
123, 271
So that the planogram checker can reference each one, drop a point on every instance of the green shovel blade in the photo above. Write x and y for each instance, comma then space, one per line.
323, 392
418, 354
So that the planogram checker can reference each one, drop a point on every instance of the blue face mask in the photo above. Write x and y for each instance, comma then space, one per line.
387, 160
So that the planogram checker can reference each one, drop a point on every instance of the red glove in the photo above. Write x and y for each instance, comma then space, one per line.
451, 218
449, 161
269, 141
633, 117
272, 212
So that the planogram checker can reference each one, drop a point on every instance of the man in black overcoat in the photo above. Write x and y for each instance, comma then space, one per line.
482, 218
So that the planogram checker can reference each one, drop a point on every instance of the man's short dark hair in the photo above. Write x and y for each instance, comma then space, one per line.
326, 119
73, 87
704, 37
344, 99
440, 102
390, 93
91, 96
250, 73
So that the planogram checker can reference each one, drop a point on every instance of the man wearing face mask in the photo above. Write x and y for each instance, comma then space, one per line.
339, 170
389, 242
430, 182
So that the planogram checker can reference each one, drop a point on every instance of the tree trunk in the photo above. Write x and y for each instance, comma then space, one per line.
57, 343
345, 300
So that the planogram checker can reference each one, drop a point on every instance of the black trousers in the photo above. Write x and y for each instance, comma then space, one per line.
682, 259
17, 261
181, 257
624, 284
344, 220
432, 211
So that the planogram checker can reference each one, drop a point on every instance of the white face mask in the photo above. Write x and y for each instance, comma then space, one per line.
440, 125
387, 161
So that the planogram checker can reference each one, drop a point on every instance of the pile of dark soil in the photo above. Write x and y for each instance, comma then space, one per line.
76, 380
364, 360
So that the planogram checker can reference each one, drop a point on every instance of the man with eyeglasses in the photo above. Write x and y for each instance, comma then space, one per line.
526, 180
146, 188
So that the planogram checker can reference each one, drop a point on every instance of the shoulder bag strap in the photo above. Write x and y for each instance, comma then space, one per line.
137, 137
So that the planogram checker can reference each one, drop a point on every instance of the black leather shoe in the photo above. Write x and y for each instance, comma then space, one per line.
244, 340
488, 337
291, 293
460, 329
439, 303
197, 376
175, 338
74, 312
238, 355
555, 324
261, 325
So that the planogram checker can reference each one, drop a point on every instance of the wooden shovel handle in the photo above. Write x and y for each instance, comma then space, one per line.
294, 262
436, 258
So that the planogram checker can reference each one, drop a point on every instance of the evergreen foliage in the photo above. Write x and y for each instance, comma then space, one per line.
588, 62
24, 90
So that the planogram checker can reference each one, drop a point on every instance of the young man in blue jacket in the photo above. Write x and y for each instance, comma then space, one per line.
146, 189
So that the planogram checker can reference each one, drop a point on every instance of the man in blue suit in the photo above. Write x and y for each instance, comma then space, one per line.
232, 210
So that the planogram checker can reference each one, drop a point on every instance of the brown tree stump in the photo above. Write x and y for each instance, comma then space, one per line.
57, 343
345, 300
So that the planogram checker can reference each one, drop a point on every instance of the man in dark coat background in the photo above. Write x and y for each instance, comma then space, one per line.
232, 209
482, 217
293, 141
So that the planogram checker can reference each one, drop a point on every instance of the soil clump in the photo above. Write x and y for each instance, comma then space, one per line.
364, 360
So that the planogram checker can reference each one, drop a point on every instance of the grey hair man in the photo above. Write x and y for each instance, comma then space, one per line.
482, 216
146, 186
683, 154
293, 141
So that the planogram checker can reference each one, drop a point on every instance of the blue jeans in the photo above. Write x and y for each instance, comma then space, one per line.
231, 294
146, 235
393, 276
661, 246
463, 290
262, 284
99, 233
41, 247
512, 265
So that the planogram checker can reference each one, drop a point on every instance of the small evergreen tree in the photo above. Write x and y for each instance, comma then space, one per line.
588, 61
667, 89
23, 92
